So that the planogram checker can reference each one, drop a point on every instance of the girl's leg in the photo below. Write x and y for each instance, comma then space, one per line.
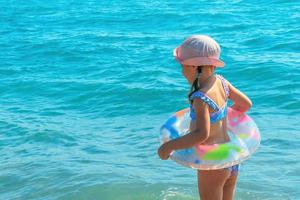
211, 182
229, 187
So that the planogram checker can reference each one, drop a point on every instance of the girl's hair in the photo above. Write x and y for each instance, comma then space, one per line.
195, 86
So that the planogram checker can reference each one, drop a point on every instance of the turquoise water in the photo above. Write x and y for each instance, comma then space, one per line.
86, 85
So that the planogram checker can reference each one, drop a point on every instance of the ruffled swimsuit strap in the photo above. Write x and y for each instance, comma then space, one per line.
219, 113
222, 113
206, 99
224, 84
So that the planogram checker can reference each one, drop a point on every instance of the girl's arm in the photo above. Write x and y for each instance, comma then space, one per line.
240, 101
200, 133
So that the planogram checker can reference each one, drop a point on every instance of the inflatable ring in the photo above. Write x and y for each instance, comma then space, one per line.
242, 131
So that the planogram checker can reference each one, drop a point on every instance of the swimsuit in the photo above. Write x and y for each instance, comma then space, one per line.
218, 114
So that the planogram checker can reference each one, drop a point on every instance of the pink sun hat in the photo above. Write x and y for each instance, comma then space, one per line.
199, 50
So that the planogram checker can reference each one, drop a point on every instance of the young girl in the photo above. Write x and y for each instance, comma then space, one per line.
199, 57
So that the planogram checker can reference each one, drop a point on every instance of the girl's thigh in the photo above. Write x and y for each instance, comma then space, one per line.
229, 187
211, 183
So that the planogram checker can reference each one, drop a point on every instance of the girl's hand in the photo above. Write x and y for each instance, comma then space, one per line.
164, 151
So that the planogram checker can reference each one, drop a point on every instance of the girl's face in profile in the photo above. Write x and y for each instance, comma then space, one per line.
189, 72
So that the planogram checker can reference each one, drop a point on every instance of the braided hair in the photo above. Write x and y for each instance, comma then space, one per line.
195, 86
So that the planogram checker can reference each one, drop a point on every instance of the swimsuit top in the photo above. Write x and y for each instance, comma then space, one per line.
219, 113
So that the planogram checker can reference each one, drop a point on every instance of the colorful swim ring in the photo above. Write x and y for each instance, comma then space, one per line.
244, 141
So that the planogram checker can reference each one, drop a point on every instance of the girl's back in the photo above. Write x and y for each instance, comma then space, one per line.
215, 90
218, 131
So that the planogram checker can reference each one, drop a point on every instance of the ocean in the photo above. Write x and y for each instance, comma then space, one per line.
86, 86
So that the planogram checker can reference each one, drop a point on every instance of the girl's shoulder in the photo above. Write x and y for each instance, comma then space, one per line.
223, 79
225, 84
220, 76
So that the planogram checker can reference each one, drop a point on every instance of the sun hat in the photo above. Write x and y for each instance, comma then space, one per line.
199, 50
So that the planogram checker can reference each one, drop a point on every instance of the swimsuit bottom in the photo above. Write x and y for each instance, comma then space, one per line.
233, 169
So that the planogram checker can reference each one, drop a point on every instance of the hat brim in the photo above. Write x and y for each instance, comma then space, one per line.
198, 61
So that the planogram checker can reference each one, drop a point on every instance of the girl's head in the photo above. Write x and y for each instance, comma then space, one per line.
198, 54
199, 50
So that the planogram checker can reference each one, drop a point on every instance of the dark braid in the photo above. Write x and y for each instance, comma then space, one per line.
195, 86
